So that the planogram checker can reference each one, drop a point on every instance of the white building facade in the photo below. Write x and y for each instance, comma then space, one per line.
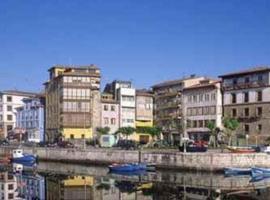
109, 113
202, 104
9, 102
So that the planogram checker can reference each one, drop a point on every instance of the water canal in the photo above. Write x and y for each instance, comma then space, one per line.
58, 181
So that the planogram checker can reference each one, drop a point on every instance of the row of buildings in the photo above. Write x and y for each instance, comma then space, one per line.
73, 105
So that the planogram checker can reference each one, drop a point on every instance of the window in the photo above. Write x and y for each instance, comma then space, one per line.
71, 136
9, 127
259, 127
246, 97
113, 121
10, 187
200, 123
212, 110
259, 111
260, 77
194, 124
233, 97
9, 98
206, 97
246, 128
234, 112
106, 120
10, 196
194, 98
105, 107
112, 108
201, 97
83, 136
259, 95
235, 81
189, 98
247, 80
213, 97
9, 117
1, 117
9, 108
246, 112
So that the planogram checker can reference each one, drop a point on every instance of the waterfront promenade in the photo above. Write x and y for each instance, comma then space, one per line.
209, 161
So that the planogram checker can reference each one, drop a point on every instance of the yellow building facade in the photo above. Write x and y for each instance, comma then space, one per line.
72, 102
144, 115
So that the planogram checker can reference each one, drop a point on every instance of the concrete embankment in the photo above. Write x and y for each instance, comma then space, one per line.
168, 160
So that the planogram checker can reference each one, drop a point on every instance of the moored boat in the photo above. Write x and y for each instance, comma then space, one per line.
260, 172
230, 171
127, 167
241, 149
19, 157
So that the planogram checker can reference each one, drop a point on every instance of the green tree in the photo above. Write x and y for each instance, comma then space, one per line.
230, 126
103, 130
213, 133
127, 131
154, 131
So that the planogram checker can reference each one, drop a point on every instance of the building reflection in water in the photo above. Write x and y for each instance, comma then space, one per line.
30, 185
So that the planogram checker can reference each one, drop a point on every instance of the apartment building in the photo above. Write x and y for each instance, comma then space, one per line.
8, 186
72, 102
168, 106
9, 101
202, 104
30, 117
246, 97
109, 112
125, 94
144, 113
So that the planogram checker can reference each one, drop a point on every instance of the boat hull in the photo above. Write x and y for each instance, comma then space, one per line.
260, 172
229, 171
241, 150
25, 159
128, 167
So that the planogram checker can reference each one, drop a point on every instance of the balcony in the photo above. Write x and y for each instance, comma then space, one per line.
249, 119
240, 86
168, 105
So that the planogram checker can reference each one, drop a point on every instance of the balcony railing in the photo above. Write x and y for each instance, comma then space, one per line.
240, 86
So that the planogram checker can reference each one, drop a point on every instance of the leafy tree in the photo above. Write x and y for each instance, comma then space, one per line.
230, 125
127, 131
155, 132
103, 130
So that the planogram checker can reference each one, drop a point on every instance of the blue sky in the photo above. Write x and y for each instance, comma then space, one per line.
146, 41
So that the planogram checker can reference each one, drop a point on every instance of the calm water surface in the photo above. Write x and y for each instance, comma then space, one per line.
56, 181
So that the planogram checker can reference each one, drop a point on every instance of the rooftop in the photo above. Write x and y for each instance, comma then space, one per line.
82, 67
247, 71
19, 93
144, 92
174, 82
204, 84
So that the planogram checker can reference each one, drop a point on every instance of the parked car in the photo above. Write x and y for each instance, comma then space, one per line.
65, 144
192, 146
128, 144
158, 144
4, 142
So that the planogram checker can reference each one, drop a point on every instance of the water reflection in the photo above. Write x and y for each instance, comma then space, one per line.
54, 181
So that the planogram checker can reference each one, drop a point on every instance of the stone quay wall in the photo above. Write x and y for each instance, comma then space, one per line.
163, 159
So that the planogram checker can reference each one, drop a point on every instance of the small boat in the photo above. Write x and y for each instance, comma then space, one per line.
230, 171
241, 149
127, 167
19, 157
260, 172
